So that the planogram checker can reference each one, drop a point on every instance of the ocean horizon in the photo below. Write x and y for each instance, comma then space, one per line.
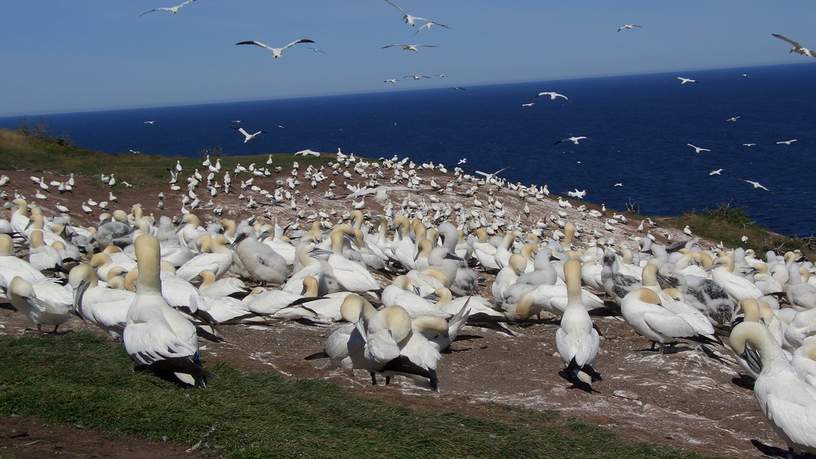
638, 128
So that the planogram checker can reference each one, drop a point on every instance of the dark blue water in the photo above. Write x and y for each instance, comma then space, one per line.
638, 128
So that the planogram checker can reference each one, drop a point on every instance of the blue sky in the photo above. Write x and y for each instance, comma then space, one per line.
71, 55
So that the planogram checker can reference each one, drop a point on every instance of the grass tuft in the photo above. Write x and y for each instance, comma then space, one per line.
80, 379
728, 224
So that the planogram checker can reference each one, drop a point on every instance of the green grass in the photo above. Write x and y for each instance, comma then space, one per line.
728, 224
80, 379
36, 151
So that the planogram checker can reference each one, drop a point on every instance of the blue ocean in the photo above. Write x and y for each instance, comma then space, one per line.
638, 129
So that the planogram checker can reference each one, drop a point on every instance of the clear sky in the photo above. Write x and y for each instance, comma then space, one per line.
71, 55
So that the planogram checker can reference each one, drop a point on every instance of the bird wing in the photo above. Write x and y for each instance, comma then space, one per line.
255, 43
393, 45
185, 3
784, 38
396, 6
790, 412
147, 343
298, 41
244, 132
428, 46
429, 23
150, 11
668, 324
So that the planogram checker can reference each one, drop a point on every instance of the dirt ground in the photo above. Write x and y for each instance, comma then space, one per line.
25, 438
684, 399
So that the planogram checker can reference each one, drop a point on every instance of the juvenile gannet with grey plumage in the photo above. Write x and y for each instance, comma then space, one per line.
261, 262
157, 336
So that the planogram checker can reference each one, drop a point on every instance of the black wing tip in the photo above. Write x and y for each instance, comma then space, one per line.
317, 356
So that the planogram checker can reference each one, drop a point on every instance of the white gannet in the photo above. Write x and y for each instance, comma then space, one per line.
277, 53
684, 80
44, 302
642, 311
799, 293
576, 140
756, 185
172, 10
410, 19
411, 47
796, 46
698, 149
157, 336
629, 27
11, 266
577, 340
552, 95
247, 136
786, 400
104, 307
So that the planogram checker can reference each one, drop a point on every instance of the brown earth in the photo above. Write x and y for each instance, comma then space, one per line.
23, 438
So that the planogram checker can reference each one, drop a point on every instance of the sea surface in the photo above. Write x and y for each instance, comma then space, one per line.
638, 128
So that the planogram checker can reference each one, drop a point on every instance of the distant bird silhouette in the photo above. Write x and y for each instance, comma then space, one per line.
169, 9
628, 27
698, 149
756, 185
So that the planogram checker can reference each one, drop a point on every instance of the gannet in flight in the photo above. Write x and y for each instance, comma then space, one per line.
428, 24
797, 48
411, 20
628, 27
409, 47
416, 77
749, 145
390, 81
684, 80
277, 53
733, 119
716, 172
462, 161
698, 149
552, 95
169, 9
787, 142
756, 185
247, 136
150, 122
575, 140
489, 177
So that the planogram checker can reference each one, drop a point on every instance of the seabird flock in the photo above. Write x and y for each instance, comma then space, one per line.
397, 280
